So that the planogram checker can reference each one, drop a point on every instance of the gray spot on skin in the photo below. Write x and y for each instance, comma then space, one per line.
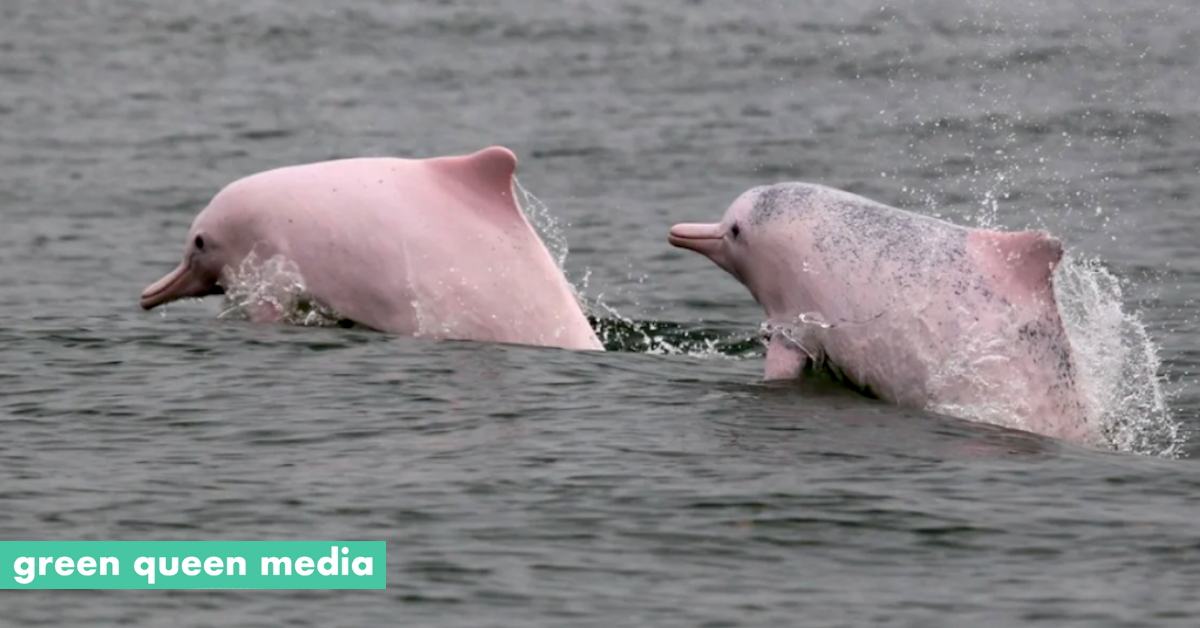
774, 200
867, 236
1048, 344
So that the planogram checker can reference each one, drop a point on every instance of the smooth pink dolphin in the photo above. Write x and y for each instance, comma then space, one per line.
915, 310
428, 247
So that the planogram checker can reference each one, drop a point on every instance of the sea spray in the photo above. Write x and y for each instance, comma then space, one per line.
1118, 362
544, 224
274, 284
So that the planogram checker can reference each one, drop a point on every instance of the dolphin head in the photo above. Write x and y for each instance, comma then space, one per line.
748, 242
213, 243
725, 243
198, 275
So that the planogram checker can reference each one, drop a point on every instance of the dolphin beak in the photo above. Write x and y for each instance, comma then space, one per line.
701, 238
178, 284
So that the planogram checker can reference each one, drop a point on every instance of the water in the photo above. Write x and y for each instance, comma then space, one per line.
660, 483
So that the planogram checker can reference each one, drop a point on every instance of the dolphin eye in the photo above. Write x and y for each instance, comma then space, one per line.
736, 231
200, 242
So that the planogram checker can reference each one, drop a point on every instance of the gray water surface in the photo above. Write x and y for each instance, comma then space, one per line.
661, 483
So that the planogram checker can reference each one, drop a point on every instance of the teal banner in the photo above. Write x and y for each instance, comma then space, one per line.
194, 564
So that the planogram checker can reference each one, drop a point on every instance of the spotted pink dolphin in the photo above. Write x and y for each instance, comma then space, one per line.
429, 247
914, 310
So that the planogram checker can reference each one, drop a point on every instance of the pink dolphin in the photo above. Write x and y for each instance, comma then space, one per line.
914, 310
429, 247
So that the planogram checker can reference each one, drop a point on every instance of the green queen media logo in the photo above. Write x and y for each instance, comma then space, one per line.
194, 564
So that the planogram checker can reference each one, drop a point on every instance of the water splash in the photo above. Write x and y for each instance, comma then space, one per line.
544, 224
615, 330
273, 288
725, 341
551, 233
1118, 362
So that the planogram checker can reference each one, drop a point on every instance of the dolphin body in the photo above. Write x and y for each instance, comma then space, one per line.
908, 308
426, 247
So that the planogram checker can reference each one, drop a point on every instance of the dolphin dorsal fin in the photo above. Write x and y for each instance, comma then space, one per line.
1033, 255
488, 173
1025, 259
493, 166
